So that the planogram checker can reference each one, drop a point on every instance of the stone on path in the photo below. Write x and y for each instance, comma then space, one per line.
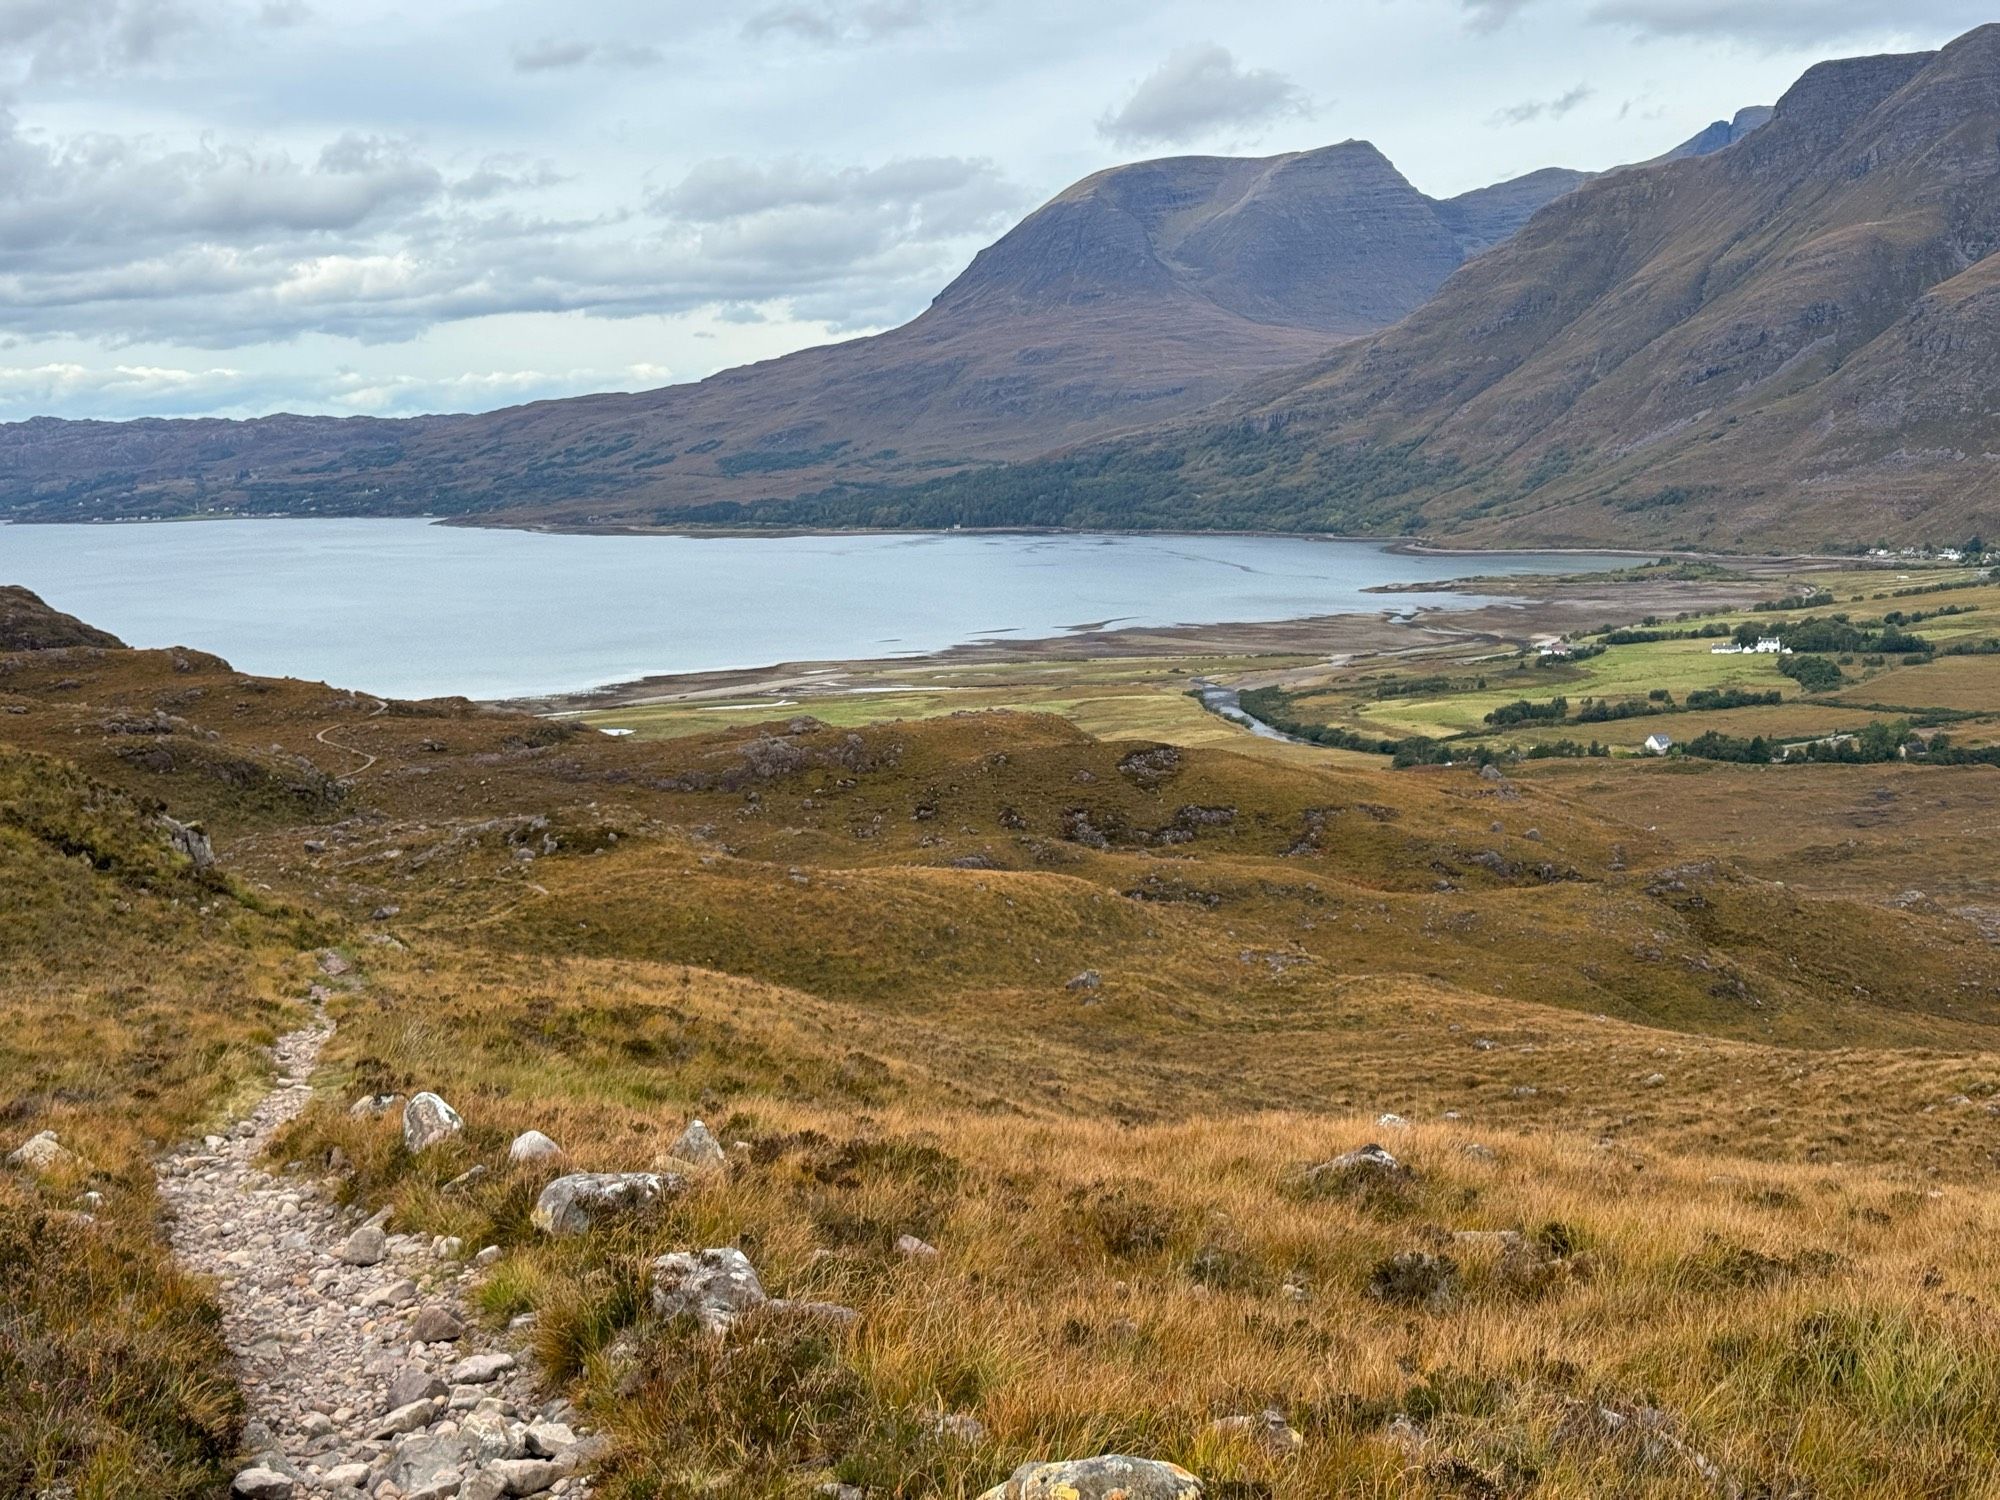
436, 1325
261, 1483
365, 1247
428, 1120
415, 1383
479, 1369
570, 1205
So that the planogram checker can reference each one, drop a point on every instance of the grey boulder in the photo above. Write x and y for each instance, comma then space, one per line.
571, 1204
1112, 1477
697, 1147
532, 1145
427, 1120
715, 1287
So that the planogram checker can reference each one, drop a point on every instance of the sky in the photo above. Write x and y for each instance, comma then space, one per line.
373, 207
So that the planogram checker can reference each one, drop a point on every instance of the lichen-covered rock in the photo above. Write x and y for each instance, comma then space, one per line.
571, 1204
698, 1148
715, 1287
427, 1120
1112, 1477
532, 1145
43, 1152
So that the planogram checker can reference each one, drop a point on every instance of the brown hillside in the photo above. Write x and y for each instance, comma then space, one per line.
1785, 342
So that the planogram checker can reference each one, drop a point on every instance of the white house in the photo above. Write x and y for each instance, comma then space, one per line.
1769, 645
1659, 744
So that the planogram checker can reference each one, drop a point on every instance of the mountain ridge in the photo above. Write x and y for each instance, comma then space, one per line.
1136, 295
1781, 344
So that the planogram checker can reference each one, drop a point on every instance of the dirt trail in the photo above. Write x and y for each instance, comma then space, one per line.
363, 1371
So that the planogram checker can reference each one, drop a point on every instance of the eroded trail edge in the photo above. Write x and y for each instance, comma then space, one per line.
362, 1370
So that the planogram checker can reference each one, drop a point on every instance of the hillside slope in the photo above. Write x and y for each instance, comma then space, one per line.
1789, 342
1139, 294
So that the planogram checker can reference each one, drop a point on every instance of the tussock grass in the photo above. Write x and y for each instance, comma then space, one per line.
1734, 1227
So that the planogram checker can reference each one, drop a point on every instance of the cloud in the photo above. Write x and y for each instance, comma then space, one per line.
1197, 92
551, 56
1779, 24
830, 23
67, 388
844, 245
1491, 15
1544, 109
44, 40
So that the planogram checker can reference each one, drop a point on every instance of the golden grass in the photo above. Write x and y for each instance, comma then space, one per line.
1106, 1286
1737, 1089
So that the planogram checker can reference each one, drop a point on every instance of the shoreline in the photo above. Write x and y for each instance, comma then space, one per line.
1398, 545
1543, 607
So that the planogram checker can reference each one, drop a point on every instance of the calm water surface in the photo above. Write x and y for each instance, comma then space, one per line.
409, 609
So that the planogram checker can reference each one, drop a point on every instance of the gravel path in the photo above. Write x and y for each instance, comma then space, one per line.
362, 1372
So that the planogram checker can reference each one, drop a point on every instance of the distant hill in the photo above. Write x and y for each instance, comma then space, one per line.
1141, 293
1793, 341
28, 624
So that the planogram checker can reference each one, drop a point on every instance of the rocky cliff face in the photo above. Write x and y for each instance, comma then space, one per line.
1139, 294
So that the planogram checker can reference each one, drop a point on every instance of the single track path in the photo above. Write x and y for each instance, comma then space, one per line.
363, 1371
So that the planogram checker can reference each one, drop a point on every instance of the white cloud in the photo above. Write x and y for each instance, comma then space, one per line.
1196, 93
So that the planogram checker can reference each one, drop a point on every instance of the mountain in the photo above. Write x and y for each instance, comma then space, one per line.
1141, 293
1794, 341
1723, 133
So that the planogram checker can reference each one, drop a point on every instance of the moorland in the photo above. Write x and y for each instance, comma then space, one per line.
1686, 1066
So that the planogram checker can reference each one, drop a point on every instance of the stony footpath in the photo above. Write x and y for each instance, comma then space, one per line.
363, 1373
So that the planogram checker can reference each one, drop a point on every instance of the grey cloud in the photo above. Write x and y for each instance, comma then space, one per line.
829, 23
1491, 15
283, 13
551, 56
853, 246
1786, 23
509, 173
1196, 92
221, 248
52, 39
1544, 109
